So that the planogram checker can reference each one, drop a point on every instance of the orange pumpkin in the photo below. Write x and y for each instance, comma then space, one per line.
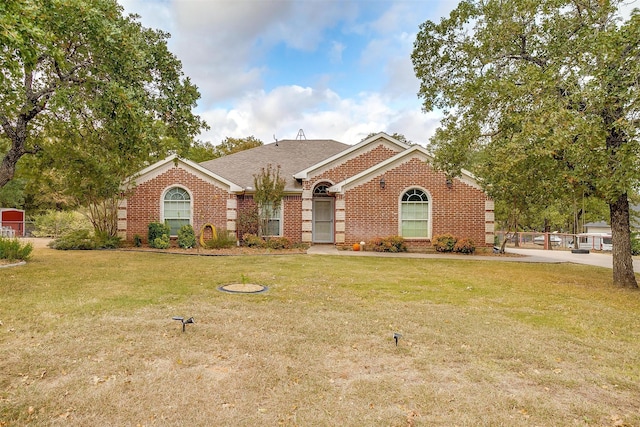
356, 246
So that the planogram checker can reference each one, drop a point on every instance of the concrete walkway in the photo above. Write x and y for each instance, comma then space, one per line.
527, 255
596, 259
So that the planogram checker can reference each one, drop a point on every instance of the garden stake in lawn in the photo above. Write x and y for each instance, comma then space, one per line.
184, 322
397, 336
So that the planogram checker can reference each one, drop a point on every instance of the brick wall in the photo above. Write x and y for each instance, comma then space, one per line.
292, 218
292, 221
364, 212
209, 202
371, 211
353, 166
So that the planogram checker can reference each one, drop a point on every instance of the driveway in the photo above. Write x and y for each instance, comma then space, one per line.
597, 259
527, 255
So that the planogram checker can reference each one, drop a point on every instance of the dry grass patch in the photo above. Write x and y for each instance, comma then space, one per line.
87, 339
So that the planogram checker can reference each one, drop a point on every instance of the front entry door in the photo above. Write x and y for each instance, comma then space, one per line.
323, 220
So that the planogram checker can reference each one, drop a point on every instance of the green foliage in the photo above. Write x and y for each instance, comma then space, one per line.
538, 97
75, 240
158, 230
444, 242
252, 240
635, 244
13, 249
222, 239
12, 195
84, 239
464, 246
163, 242
248, 221
278, 243
106, 240
137, 240
235, 145
447, 242
388, 244
55, 224
201, 152
269, 191
186, 237
90, 96
400, 137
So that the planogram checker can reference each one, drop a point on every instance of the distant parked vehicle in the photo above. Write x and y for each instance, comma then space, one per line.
555, 240
595, 241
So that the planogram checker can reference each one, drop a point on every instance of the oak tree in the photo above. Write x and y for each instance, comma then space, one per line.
551, 86
90, 93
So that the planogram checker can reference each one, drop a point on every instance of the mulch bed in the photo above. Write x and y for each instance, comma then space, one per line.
234, 251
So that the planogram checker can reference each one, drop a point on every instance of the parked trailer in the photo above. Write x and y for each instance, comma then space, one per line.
595, 241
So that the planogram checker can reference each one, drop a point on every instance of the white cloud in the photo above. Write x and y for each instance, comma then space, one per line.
321, 114
224, 46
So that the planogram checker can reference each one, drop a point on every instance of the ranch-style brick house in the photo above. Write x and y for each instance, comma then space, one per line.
334, 194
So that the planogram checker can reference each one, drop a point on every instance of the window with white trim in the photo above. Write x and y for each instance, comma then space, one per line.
414, 214
273, 220
177, 209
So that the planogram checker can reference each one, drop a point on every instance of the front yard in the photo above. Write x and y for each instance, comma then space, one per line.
87, 338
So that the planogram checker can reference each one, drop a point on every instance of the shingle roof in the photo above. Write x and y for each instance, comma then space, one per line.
291, 155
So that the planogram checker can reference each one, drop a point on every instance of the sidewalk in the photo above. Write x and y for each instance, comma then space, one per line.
528, 255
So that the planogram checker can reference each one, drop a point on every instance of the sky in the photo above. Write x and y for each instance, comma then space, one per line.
335, 69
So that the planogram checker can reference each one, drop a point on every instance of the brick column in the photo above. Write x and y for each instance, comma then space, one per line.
122, 219
340, 218
489, 221
232, 214
307, 216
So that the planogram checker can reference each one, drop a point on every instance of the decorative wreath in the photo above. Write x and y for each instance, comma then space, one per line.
214, 233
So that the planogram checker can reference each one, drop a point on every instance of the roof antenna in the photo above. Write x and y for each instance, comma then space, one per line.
301, 135
274, 137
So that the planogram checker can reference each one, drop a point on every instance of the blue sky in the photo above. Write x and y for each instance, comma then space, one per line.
338, 69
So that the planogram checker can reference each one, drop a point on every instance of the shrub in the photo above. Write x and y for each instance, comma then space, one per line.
159, 232
55, 224
161, 242
388, 244
137, 241
107, 241
252, 241
74, 240
186, 237
444, 242
12, 249
278, 243
465, 246
248, 221
222, 239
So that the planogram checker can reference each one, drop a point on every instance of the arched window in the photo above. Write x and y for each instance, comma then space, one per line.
414, 214
177, 209
321, 190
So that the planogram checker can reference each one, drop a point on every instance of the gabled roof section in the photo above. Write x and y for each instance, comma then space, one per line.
162, 166
414, 151
353, 151
291, 155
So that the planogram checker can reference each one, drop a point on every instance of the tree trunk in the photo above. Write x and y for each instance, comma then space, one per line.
8, 165
547, 236
623, 274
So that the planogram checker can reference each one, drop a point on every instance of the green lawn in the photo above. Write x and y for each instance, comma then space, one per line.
87, 339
